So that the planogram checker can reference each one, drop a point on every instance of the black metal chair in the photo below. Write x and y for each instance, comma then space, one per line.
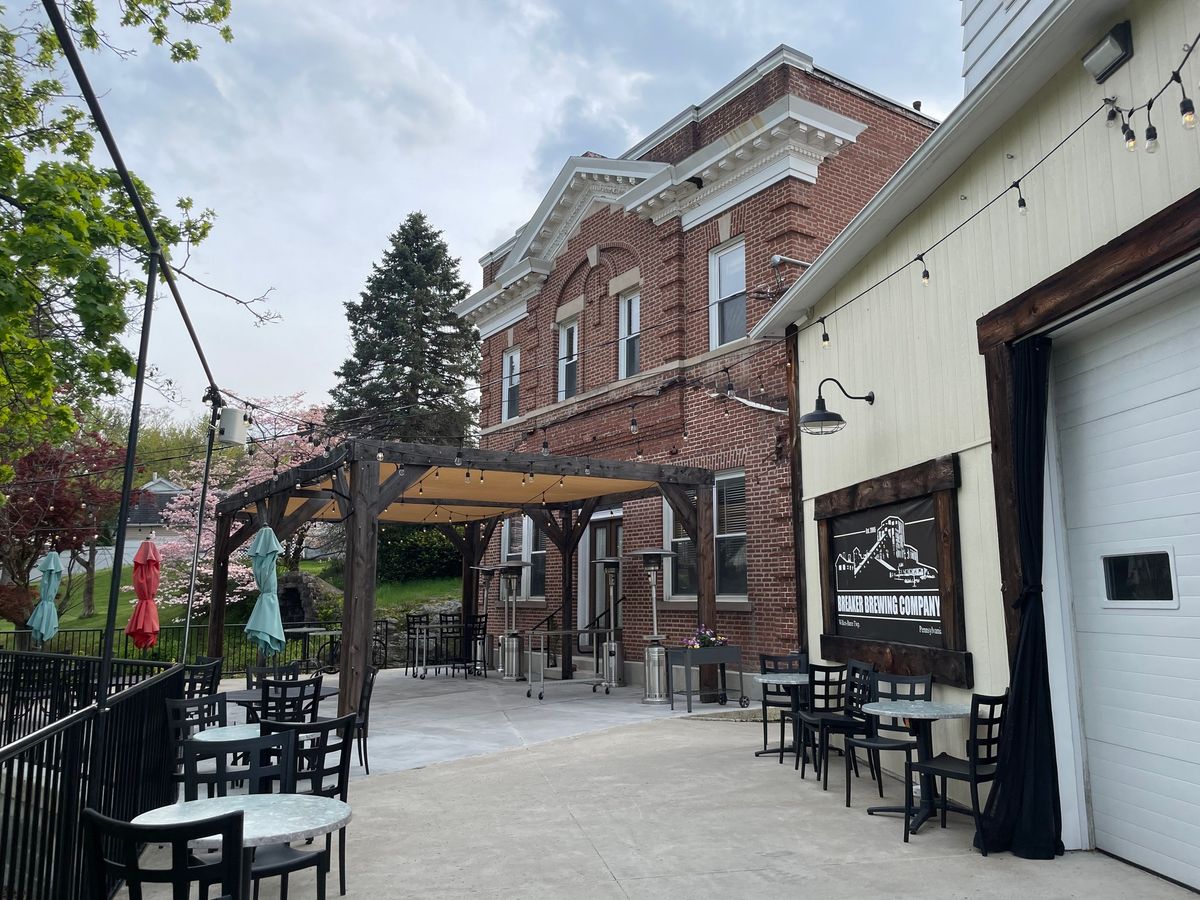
776, 696
201, 679
266, 765
189, 716
448, 640
285, 700
851, 721
362, 721
283, 672
113, 850
979, 767
888, 733
323, 766
413, 622
826, 697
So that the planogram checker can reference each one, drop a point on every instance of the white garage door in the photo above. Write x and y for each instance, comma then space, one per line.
1127, 403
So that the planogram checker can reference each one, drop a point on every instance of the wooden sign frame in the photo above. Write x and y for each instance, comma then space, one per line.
938, 478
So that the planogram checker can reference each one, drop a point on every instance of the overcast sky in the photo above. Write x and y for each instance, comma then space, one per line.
323, 124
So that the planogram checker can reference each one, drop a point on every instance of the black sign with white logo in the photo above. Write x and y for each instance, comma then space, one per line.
886, 581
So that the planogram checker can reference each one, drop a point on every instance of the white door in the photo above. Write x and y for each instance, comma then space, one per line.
1127, 401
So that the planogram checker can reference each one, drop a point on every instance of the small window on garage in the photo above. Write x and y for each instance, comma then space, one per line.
1143, 579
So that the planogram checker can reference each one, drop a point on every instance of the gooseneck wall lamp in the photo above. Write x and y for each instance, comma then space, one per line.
826, 421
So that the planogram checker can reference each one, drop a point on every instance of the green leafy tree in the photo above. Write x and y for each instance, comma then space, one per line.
71, 253
415, 362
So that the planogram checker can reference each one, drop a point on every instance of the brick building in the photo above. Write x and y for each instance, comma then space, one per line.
615, 322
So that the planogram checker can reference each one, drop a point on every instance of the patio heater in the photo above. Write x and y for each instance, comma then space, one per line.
482, 648
511, 660
612, 658
655, 656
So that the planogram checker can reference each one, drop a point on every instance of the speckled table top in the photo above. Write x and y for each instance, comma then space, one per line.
917, 709
269, 818
226, 733
782, 678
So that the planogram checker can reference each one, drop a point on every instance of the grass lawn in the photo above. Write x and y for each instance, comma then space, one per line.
71, 617
397, 598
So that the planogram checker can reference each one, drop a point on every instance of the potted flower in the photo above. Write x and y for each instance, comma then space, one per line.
705, 637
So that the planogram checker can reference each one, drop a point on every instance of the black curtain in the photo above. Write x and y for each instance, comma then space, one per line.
1023, 813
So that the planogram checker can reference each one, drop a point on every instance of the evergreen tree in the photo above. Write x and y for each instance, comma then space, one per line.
414, 360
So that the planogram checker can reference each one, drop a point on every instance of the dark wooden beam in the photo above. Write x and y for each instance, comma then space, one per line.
796, 488
683, 507
997, 364
568, 594
307, 473
222, 547
940, 474
583, 519
1169, 234
358, 608
504, 461
299, 517
545, 521
396, 484
706, 586
460, 541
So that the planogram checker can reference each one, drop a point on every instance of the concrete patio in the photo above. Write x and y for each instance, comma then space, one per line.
494, 795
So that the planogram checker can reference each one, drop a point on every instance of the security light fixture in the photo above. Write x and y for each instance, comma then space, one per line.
1113, 51
826, 421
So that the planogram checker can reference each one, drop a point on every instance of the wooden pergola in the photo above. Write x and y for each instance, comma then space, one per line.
364, 483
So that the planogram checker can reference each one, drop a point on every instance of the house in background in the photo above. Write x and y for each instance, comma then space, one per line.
616, 325
146, 512
1079, 290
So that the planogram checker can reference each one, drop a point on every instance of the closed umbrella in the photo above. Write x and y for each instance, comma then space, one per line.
265, 627
44, 621
143, 624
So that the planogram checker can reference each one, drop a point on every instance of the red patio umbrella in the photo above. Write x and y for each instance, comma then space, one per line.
143, 624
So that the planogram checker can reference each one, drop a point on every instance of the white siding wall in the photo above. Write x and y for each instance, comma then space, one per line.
990, 29
916, 345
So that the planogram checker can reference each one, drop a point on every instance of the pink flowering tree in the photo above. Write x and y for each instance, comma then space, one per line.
283, 433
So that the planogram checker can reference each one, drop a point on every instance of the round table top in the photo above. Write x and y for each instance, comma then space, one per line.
255, 695
269, 818
782, 678
226, 733
917, 709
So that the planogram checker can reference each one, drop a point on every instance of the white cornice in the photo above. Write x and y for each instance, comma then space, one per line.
780, 56
582, 181
512, 289
791, 129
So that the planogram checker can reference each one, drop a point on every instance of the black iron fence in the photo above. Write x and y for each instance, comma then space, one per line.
319, 650
118, 761
37, 689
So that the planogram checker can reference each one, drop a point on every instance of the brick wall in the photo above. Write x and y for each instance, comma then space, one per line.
792, 218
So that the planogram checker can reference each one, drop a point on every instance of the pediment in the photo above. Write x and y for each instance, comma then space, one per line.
585, 185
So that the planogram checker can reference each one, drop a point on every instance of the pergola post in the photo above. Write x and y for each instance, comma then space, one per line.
358, 607
567, 550
220, 586
706, 582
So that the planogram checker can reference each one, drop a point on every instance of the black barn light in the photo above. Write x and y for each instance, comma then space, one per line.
826, 421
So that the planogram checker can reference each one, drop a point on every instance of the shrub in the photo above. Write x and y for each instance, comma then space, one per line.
407, 552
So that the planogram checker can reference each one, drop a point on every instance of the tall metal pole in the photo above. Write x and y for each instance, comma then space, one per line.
208, 453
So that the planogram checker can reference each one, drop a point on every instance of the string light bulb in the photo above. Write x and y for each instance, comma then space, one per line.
633, 426
824, 337
730, 393
639, 450
467, 477
1130, 138
1187, 109
458, 460
481, 476
924, 268
545, 447
685, 434
1022, 206
1110, 120
587, 467
379, 456
1151, 139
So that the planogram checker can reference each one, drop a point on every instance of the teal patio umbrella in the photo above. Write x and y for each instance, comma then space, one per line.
265, 628
44, 621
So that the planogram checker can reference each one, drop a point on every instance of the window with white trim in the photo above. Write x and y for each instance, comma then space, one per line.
522, 541
729, 539
511, 399
568, 358
629, 347
727, 293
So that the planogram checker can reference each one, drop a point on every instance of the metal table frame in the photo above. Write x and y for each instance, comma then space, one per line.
422, 648
596, 681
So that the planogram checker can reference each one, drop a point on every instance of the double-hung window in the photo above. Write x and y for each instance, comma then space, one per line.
568, 358
729, 511
523, 541
731, 533
727, 293
511, 400
629, 347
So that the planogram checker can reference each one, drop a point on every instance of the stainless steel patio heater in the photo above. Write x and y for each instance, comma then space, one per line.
483, 649
654, 657
512, 660
612, 658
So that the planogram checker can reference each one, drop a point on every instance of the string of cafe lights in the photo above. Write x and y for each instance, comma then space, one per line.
1115, 113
